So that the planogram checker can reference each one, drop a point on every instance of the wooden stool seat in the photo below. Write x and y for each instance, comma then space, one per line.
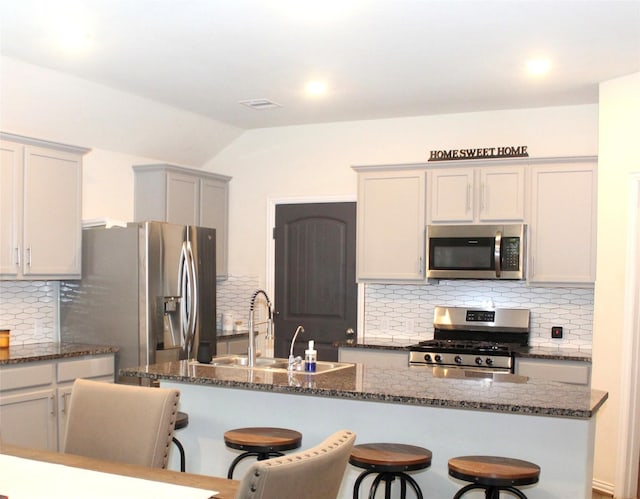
182, 421
389, 461
261, 442
493, 473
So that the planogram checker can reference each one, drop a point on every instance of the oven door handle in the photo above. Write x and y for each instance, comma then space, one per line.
496, 252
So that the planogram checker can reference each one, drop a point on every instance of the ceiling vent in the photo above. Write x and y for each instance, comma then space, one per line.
259, 104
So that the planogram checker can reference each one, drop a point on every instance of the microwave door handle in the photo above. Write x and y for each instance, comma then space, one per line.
496, 252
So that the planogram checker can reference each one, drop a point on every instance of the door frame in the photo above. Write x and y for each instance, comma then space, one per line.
271, 244
627, 469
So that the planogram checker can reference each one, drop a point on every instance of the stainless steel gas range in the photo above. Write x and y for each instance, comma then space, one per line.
473, 338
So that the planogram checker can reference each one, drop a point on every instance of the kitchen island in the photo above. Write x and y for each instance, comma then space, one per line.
451, 412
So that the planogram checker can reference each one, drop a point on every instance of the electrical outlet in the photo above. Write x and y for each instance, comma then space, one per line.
556, 332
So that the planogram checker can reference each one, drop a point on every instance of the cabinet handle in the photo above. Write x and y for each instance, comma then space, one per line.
63, 409
52, 404
28, 251
17, 256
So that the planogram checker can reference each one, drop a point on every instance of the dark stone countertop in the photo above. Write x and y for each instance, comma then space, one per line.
446, 388
532, 352
33, 352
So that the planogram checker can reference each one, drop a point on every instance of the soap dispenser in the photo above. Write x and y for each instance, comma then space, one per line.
310, 357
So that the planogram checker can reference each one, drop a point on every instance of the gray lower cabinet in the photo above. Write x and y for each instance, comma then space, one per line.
374, 357
186, 196
567, 371
34, 398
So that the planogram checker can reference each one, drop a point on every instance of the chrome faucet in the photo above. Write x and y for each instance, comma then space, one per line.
251, 353
294, 360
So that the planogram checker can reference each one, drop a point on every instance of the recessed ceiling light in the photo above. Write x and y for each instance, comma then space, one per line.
259, 104
538, 67
316, 88
73, 33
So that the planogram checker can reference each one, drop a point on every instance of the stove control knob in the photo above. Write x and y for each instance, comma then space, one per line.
489, 361
479, 361
427, 357
438, 358
457, 359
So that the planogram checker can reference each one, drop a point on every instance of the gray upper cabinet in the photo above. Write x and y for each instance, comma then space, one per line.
563, 223
391, 224
476, 195
40, 209
186, 196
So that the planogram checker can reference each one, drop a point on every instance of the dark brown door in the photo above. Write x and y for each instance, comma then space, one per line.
315, 282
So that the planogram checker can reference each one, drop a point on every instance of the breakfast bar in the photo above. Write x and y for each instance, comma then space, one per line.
452, 412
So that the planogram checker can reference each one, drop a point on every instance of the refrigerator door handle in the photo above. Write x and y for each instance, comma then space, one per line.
189, 301
185, 297
193, 300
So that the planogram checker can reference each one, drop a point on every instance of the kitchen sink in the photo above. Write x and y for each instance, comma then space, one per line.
273, 364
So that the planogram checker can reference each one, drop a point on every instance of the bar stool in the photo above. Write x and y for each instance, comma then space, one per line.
261, 442
493, 474
182, 421
389, 461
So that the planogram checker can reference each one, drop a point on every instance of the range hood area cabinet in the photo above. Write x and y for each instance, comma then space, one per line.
185, 196
391, 224
40, 209
555, 197
482, 195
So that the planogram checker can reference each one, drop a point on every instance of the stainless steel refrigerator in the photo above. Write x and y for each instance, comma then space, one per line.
148, 288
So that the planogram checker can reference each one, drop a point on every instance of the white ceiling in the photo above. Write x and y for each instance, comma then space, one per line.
380, 58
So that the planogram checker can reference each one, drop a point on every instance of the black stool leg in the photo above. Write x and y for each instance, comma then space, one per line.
182, 456
374, 486
490, 492
466, 489
414, 485
356, 485
261, 456
513, 490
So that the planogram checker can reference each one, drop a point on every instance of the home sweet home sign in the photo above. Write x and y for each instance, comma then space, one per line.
479, 153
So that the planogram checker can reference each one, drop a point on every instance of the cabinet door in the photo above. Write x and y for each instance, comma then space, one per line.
10, 202
29, 419
391, 225
52, 229
563, 224
373, 357
183, 199
214, 202
452, 195
501, 194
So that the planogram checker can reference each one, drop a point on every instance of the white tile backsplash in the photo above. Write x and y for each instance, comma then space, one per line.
30, 310
234, 296
407, 310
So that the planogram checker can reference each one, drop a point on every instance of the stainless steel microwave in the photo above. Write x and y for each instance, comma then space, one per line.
476, 251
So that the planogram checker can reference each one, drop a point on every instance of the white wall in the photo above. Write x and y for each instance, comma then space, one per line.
46, 104
107, 184
316, 160
618, 158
